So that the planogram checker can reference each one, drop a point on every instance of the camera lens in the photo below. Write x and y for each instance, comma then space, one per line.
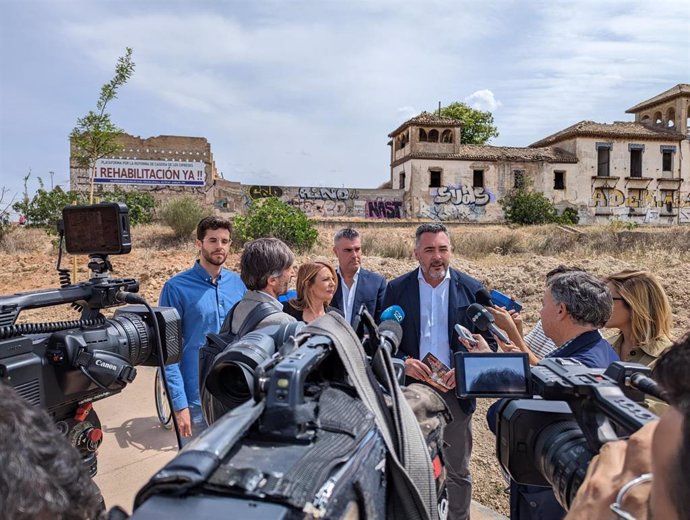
231, 378
137, 334
562, 456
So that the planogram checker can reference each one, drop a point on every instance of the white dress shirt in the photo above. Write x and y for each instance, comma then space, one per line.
348, 294
433, 318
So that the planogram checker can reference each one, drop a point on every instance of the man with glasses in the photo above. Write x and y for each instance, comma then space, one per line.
202, 295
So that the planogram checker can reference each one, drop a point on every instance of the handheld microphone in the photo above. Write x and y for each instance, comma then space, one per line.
483, 297
393, 313
484, 321
390, 334
647, 385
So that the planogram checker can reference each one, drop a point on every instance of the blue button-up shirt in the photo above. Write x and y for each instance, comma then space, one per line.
202, 306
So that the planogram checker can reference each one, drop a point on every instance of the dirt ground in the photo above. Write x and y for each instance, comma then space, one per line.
156, 257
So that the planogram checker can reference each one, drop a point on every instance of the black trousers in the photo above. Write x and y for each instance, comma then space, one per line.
457, 437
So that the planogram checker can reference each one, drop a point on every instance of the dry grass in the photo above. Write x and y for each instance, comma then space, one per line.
27, 240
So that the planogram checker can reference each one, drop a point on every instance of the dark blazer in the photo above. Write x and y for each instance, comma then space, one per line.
370, 290
404, 291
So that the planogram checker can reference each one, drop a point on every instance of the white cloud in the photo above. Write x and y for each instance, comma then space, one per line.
483, 100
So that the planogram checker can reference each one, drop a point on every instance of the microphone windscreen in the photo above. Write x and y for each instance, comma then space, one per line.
392, 330
394, 312
480, 316
483, 297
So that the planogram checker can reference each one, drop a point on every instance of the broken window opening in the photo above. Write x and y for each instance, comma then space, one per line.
667, 161
433, 136
478, 178
435, 179
558, 180
402, 180
447, 136
603, 161
518, 179
636, 163
422, 135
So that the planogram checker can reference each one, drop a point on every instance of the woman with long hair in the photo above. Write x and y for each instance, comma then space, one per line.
316, 285
642, 315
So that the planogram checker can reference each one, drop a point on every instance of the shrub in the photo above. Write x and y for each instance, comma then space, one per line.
569, 216
526, 208
182, 215
271, 217
45, 208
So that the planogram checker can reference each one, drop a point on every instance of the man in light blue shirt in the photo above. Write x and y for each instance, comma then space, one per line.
203, 295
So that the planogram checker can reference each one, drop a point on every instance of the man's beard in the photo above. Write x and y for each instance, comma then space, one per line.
435, 274
209, 257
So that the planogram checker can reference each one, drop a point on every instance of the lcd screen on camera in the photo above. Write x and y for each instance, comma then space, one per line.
492, 374
97, 229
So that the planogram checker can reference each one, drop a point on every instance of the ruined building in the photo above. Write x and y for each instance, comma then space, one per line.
635, 171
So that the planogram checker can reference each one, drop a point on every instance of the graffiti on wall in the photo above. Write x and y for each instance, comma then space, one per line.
262, 192
615, 198
328, 194
384, 208
461, 203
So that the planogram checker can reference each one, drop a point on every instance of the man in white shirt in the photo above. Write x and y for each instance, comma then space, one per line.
356, 285
435, 297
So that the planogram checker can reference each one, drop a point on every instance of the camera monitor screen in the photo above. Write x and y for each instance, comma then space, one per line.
97, 229
492, 374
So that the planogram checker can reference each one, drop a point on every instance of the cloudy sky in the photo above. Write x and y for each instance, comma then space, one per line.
305, 92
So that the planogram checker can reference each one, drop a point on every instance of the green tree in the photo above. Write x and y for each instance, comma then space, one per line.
477, 125
95, 135
45, 208
270, 217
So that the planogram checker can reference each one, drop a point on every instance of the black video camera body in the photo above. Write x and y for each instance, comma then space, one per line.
297, 439
550, 440
65, 366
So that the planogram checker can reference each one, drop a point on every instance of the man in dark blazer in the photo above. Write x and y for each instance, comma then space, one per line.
435, 298
356, 286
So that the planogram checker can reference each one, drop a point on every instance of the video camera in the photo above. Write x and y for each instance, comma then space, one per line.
550, 440
306, 432
65, 366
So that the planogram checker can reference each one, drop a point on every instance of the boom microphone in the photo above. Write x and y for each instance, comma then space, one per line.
484, 321
393, 313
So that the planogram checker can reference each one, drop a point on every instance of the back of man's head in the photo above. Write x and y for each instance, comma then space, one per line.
671, 371
586, 297
263, 258
41, 474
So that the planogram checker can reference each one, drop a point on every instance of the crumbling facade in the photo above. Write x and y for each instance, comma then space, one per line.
633, 171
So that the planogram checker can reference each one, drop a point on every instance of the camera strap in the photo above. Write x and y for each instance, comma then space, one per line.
413, 486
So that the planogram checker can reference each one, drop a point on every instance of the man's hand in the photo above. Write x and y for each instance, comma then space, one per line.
184, 422
616, 464
449, 379
417, 369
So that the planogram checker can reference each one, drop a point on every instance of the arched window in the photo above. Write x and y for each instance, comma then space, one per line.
422, 135
447, 136
645, 119
671, 117
657, 118
433, 136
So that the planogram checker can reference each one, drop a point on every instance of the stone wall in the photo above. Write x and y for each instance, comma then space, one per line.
329, 202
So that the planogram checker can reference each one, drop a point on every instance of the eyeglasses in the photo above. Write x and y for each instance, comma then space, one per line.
617, 506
